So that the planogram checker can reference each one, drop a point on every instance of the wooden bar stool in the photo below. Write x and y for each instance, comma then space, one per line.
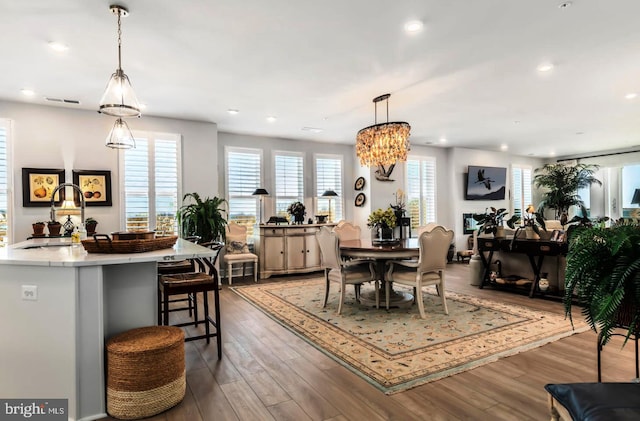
193, 283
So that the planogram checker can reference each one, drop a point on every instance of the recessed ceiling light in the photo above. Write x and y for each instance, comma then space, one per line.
27, 92
271, 119
443, 140
312, 129
233, 111
545, 67
58, 46
504, 147
631, 95
413, 26
552, 153
143, 106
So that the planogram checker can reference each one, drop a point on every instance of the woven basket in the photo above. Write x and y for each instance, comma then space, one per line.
104, 244
145, 372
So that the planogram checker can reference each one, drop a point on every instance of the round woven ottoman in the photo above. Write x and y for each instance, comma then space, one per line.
145, 371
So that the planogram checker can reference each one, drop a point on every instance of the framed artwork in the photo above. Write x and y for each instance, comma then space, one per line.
558, 236
359, 185
468, 223
360, 199
38, 185
95, 186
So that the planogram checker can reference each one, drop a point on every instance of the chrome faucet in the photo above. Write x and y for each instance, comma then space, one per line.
52, 213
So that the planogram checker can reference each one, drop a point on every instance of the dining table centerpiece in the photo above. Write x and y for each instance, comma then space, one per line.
383, 221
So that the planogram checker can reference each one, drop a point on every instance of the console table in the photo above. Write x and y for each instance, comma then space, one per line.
535, 250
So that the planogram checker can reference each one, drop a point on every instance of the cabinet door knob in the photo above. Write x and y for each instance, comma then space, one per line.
282, 252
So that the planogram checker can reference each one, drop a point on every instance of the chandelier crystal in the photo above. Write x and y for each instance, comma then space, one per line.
119, 99
385, 143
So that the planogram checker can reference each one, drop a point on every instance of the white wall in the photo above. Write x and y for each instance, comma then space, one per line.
62, 137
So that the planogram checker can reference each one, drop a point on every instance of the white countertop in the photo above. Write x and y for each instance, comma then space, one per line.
60, 252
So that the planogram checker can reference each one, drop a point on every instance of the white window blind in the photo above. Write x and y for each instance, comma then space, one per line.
244, 176
151, 183
289, 181
329, 177
421, 191
4, 185
521, 187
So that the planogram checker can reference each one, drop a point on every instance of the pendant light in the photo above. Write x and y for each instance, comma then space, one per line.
120, 136
119, 99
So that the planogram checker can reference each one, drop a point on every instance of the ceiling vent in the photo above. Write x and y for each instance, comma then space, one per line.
65, 101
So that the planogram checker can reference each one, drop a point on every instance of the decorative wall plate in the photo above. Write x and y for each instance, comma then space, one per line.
359, 183
360, 199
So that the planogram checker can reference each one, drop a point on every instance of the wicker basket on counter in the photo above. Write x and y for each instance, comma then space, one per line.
101, 243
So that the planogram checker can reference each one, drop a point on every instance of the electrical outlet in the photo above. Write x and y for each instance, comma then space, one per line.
30, 292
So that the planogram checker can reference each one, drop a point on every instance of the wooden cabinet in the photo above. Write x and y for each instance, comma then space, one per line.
285, 249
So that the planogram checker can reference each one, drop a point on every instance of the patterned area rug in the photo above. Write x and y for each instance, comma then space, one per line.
396, 350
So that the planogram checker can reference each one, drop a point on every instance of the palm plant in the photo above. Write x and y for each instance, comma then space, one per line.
562, 183
603, 271
204, 218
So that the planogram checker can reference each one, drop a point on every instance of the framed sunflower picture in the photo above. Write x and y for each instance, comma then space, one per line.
95, 186
38, 185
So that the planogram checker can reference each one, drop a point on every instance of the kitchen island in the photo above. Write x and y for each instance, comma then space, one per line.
60, 304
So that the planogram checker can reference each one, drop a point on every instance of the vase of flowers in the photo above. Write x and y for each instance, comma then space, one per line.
383, 222
297, 212
399, 207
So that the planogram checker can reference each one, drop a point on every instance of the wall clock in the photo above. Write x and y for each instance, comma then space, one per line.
359, 183
360, 199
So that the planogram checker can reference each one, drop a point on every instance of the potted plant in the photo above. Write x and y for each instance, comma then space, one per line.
297, 211
90, 225
383, 221
38, 229
603, 272
562, 182
531, 222
204, 218
54, 228
492, 221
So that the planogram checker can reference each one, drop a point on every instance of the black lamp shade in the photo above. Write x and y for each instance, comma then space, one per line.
329, 193
260, 192
636, 197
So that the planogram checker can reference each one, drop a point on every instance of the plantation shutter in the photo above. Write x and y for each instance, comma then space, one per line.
289, 181
166, 182
244, 170
522, 197
329, 177
421, 191
136, 186
4, 187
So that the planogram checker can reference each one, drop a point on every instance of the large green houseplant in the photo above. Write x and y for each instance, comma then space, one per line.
203, 218
603, 272
561, 183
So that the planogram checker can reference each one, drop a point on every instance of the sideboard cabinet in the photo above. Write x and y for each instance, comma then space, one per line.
285, 249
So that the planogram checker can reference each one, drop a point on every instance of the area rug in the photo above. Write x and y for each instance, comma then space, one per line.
396, 350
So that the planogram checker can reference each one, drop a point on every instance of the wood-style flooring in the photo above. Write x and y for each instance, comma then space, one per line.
269, 373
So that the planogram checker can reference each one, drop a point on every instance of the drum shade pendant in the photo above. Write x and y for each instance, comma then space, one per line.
119, 99
120, 136
385, 143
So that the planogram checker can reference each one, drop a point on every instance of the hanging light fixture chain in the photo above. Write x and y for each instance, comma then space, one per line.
119, 40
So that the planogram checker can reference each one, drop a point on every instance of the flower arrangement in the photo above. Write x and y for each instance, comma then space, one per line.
399, 207
297, 210
382, 218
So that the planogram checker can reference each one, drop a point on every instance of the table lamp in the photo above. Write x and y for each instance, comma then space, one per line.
261, 193
330, 194
636, 197
68, 208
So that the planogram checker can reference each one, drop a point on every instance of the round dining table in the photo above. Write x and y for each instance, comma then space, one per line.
407, 248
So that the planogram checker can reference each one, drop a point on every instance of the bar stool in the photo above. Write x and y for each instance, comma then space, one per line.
193, 283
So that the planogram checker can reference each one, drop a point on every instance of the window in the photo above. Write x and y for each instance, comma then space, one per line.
329, 177
421, 191
244, 176
521, 187
630, 177
4, 183
151, 182
289, 180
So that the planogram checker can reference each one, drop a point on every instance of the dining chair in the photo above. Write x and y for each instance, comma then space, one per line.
237, 251
350, 272
428, 270
427, 228
347, 231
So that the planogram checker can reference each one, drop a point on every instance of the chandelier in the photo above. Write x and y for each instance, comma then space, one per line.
119, 99
385, 143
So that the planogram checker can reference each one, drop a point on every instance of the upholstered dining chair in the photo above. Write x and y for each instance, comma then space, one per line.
347, 231
351, 272
428, 270
237, 251
427, 228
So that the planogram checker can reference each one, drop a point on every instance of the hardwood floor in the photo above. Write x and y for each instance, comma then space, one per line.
269, 373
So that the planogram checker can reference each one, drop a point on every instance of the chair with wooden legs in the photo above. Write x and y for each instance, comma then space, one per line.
237, 251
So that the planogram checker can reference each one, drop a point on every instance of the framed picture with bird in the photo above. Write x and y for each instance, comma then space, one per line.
486, 183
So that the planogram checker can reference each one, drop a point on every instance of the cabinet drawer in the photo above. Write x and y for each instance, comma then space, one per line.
270, 232
302, 231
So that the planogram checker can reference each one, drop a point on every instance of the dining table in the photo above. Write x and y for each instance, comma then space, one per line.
381, 253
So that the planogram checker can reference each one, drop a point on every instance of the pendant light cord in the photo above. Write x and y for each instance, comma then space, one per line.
119, 41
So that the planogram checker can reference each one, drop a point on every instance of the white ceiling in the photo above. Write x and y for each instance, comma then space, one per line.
470, 76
